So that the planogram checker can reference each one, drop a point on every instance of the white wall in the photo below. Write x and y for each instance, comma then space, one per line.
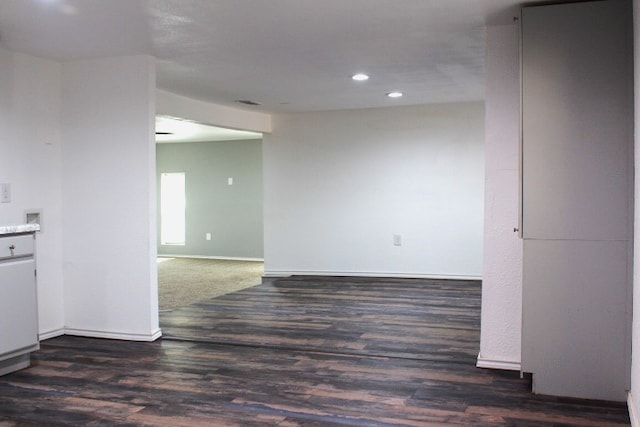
500, 338
30, 161
340, 184
108, 193
634, 394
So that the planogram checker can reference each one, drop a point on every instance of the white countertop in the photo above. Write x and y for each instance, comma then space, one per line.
22, 228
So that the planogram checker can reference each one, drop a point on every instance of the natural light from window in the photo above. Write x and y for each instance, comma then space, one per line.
172, 208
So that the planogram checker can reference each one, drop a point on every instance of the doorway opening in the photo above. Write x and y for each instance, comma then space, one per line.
210, 211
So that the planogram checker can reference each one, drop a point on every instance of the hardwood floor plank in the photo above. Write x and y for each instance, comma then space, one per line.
362, 316
295, 352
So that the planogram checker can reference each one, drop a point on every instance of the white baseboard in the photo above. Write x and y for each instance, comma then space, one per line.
229, 258
498, 364
125, 336
51, 334
287, 273
633, 414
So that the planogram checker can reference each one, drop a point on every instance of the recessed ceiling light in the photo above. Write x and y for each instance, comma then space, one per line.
360, 77
395, 94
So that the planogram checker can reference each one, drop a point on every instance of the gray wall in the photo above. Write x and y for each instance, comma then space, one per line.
231, 213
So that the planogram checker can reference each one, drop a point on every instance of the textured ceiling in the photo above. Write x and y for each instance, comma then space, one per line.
288, 55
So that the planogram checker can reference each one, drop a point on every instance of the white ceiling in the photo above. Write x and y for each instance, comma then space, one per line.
288, 55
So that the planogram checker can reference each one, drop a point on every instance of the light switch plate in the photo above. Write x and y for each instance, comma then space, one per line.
5, 193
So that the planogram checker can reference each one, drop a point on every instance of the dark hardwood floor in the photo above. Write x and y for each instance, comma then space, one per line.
302, 351
415, 319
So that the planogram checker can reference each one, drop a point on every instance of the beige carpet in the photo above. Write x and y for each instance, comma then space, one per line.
184, 281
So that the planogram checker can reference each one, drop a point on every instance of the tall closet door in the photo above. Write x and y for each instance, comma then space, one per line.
577, 142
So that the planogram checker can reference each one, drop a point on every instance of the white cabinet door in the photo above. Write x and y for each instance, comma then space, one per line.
577, 138
576, 341
18, 306
577, 183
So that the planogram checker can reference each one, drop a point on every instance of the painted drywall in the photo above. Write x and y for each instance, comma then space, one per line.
633, 400
31, 162
171, 104
232, 214
340, 184
109, 205
500, 338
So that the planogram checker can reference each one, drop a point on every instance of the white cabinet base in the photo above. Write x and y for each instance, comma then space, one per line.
18, 302
15, 363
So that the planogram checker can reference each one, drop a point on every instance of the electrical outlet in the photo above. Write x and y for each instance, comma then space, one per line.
397, 240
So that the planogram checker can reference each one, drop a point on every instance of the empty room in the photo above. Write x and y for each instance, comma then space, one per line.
442, 197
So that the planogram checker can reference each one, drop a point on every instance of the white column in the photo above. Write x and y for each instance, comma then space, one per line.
500, 337
109, 228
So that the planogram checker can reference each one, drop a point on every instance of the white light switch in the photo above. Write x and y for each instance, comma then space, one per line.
229, 181
397, 240
5, 193
208, 236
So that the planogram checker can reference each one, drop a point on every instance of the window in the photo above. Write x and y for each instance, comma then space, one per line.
172, 208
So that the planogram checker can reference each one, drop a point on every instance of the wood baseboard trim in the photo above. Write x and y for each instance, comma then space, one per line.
287, 273
124, 336
498, 364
